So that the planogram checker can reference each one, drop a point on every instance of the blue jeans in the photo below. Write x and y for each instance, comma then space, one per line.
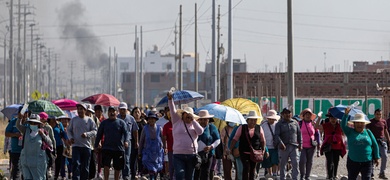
364, 168
239, 168
184, 166
126, 169
80, 162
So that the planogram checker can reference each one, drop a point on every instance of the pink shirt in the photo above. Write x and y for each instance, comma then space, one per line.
306, 142
182, 143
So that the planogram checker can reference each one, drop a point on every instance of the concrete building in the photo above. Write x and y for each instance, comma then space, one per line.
364, 66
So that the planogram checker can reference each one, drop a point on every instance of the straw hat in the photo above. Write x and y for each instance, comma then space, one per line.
307, 110
359, 117
252, 115
187, 110
204, 114
272, 114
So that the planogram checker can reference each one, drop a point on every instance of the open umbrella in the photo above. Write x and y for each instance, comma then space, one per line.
181, 97
102, 99
66, 104
339, 111
224, 113
48, 107
244, 106
11, 110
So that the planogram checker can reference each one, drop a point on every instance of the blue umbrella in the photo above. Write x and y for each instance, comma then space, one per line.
339, 111
181, 97
224, 113
11, 110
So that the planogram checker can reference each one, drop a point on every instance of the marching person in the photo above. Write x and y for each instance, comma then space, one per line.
362, 145
309, 143
80, 132
378, 127
253, 134
51, 154
115, 132
185, 139
151, 147
132, 128
333, 138
207, 142
33, 158
289, 141
168, 141
60, 136
135, 163
272, 161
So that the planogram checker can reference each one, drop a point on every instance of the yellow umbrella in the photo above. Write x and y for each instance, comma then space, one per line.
244, 106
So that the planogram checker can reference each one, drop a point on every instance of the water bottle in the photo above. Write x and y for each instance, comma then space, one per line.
320, 114
355, 104
20, 141
172, 89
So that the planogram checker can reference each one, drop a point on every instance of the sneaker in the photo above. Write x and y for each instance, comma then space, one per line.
100, 177
49, 174
382, 176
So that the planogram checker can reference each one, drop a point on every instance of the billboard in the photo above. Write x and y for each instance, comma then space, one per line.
318, 104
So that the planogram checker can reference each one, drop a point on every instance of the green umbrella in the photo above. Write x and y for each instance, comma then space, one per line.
48, 107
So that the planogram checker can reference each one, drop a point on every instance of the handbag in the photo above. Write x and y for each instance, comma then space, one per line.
198, 160
313, 142
256, 155
326, 147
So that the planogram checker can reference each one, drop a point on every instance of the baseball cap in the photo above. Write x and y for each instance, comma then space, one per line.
123, 105
112, 107
82, 105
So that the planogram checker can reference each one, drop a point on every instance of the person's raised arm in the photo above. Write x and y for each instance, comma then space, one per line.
172, 109
344, 122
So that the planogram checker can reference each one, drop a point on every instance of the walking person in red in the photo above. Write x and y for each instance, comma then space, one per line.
168, 141
333, 146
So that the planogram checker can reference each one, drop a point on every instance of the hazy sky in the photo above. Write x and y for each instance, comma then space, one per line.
346, 31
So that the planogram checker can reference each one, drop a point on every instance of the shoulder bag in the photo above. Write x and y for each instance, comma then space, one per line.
256, 155
198, 159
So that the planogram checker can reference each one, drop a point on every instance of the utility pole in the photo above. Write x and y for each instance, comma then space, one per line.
31, 69
142, 68
12, 78
196, 53
84, 81
37, 65
218, 55
214, 83
55, 75
5, 69
290, 81
229, 79
25, 77
115, 69
136, 69
18, 70
176, 61
109, 70
180, 51
71, 78
49, 74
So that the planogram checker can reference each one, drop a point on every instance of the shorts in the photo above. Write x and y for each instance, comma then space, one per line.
118, 158
273, 158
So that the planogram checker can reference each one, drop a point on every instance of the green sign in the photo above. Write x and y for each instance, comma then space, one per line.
321, 104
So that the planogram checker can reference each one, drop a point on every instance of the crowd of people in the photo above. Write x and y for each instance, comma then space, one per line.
179, 144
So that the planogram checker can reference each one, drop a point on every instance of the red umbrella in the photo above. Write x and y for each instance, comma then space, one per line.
102, 99
65, 104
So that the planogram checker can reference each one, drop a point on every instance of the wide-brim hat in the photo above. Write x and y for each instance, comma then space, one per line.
359, 117
152, 115
82, 105
252, 115
34, 118
272, 114
204, 114
187, 110
308, 110
63, 117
